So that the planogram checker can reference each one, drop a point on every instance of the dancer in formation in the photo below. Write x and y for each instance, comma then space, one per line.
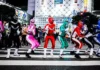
1, 29
1, 32
6, 33
30, 37
90, 32
88, 39
50, 29
97, 38
15, 29
75, 38
63, 40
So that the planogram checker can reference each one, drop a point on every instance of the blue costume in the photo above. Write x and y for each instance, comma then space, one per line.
92, 36
98, 28
97, 39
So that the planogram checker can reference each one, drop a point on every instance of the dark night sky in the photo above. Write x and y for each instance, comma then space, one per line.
18, 2
96, 4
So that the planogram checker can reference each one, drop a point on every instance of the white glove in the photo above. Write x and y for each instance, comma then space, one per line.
18, 32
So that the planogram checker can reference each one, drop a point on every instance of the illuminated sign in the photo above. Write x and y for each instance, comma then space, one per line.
85, 2
75, 1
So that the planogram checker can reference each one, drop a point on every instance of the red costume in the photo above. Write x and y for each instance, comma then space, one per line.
49, 28
75, 37
76, 34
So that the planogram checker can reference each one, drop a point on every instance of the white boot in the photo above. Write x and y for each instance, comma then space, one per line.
29, 51
52, 52
8, 53
77, 51
73, 49
16, 52
91, 53
45, 50
61, 52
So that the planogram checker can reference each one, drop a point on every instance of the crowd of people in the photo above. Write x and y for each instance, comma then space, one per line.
81, 33
13, 34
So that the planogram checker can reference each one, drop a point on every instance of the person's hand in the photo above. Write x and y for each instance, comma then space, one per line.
67, 36
44, 30
51, 28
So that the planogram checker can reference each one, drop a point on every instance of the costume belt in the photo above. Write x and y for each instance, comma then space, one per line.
30, 34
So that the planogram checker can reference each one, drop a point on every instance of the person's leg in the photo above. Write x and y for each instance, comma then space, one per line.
62, 46
8, 53
53, 44
17, 45
37, 43
97, 52
22, 40
78, 46
7, 41
8, 47
45, 45
30, 40
90, 44
3, 39
74, 47
39, 40
26, 43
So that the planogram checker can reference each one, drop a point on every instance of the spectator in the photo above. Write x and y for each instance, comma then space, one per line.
24, 33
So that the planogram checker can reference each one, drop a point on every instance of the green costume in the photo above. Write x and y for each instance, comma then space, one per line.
64, 43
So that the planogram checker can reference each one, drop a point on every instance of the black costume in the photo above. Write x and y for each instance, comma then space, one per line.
15, 32
15, 28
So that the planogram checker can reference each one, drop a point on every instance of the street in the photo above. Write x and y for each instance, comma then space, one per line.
37, 62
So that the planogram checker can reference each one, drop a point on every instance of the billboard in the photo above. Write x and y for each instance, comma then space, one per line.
58, 1
22, 16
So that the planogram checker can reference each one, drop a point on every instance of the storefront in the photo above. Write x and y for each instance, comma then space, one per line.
58, 9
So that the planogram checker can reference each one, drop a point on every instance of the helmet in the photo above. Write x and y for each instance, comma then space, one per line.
65, 22
32, 21
51, 20
80, 24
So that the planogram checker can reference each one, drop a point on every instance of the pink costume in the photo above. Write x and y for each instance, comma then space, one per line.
1, 29
30, 36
